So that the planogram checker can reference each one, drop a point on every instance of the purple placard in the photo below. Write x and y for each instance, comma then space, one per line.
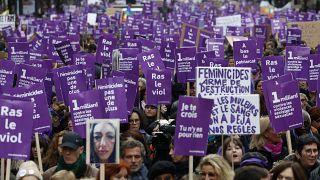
216, 45
44, 63
260, 31
245, 54
192, 126
285, 105
18, 52
297, 62
128, 61
235, 31
65, 52
272, 67
190, 36
69, 80
6, 73
150, 60
293, 36
186, 64
167, 52
16, 128
132, 43
203, 36
215, 62
201, 57
37, 94
313, 71
83, 106
28, 75
146, 45
105, 45
159, 87
318, 92
115, 97
131, 85
85, 59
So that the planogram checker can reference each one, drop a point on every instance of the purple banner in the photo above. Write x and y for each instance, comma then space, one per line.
192, 126
18, 52
272, 67
16, 128
115, 97
159, 87
185, 64
83, 106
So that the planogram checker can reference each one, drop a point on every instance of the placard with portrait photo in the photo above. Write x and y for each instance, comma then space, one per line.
102, 141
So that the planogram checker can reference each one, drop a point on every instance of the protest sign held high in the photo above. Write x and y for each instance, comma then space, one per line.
159, 86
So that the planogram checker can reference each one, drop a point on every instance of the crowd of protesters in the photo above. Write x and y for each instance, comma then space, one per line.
147, 154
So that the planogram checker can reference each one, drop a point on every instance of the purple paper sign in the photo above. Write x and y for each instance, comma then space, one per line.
83, 106
16, 128
203, 36
189, 36
69, 80
18, 52
201, 57
128, 61
6, 73
260, 31
132, 43
284, 104
150, 60
216, 45
293, 36
146, 45
186, 64
37, 94
192, 126
65, 52
313, 71
159, 87
318, 90
167, 52
297, 62
28, 75
114, 97
105, 45
85, 59
245, 54
44, 63
272, 67
235, 31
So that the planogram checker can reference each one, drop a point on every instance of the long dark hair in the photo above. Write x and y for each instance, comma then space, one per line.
93, 156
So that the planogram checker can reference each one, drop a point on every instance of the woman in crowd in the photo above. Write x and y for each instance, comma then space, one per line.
233, 151
268, 142
28, 171
288, 170
119, 171
63, 175
214, 167
43, 149
103, 143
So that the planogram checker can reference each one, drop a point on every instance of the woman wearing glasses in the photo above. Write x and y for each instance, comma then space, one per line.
214, 167
103, 140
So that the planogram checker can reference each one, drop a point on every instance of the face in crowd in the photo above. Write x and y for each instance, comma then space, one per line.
134, 121
133, 156
104, 136
234, 153
309, 155
150, 111
70, 156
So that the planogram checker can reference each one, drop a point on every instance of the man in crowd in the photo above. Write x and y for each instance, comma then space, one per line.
133, 152
72, 159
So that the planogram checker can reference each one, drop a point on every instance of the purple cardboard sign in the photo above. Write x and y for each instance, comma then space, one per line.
297, 61
85, 59
186, 64
132, 43
245, 54
215, 62
234, 31
294, 36
18, 52
51, 51
44, 63
189, 36
146, 45
192, 126
203, 37
260, 31
128, 61
159, 87
69, 80
318, 90
276, 25
202, 56
313, 71
114, 97
131, 85
105, 45
16, 128
75, 42
216, 45
37, 94
6, 73
147, 8
272, 67
28, 75
65, 52
83, 106
167, 52
285, 105
150, 60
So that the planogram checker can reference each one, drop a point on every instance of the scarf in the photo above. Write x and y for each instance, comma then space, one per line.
78, 168
275, 149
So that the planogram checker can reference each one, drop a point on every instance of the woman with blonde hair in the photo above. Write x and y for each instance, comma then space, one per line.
214, 167
63, 175
268, 142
